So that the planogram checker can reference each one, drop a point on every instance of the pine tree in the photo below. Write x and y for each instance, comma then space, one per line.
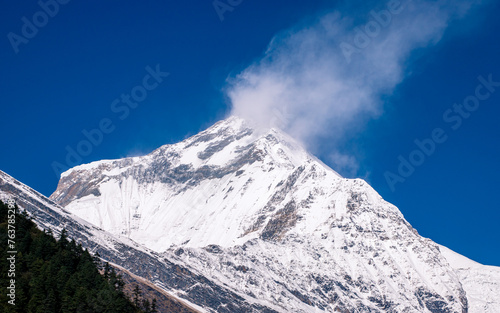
106, 271
63, 239
153, 306
137, 294
146, 306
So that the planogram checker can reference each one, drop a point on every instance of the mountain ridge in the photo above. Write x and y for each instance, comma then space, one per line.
249, 221
234, 202
192, 286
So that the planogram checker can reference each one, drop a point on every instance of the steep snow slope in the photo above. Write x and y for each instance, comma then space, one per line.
187, 289
191, 192
255, 212
480, 282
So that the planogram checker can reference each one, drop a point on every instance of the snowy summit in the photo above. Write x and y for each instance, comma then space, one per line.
256, 212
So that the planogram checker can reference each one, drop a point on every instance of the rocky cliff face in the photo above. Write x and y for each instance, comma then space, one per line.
258, 215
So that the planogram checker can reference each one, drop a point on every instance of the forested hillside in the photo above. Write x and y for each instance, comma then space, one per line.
55, 275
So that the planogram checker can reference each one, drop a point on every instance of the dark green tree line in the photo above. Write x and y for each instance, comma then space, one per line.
53, 276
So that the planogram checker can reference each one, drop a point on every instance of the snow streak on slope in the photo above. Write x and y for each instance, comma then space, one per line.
480, 282
178, 281
255, 212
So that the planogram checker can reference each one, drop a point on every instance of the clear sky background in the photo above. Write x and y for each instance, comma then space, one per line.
65, 78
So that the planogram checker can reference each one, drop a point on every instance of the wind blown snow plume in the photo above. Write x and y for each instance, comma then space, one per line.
319, 79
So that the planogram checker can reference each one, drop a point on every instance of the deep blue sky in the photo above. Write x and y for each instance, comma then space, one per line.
64, 79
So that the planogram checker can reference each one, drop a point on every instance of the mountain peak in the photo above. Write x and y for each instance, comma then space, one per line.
213, 146
226, 165
235, 194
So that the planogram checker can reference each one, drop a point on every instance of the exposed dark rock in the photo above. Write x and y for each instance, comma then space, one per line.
281, 222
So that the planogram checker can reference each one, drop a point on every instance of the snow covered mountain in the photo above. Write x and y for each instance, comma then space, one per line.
180, 287
255, 213
480, 282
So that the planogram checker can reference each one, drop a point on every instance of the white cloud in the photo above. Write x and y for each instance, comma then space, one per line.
310, 87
